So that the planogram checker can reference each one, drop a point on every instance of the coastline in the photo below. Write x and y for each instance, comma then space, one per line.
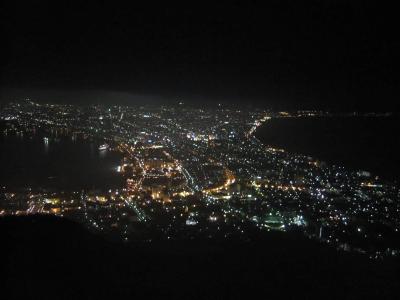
353, 142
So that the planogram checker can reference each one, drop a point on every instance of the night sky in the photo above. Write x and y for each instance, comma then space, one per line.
339, 55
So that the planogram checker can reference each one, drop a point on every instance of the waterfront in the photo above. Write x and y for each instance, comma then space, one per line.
60, 162
359, 143
188, 173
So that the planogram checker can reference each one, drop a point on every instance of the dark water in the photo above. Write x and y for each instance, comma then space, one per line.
61, 163
366, 143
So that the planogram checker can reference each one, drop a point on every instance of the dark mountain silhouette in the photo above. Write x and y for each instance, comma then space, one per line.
51, 257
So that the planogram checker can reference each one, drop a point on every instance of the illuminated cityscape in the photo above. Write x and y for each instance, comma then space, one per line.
194, 150
189, 173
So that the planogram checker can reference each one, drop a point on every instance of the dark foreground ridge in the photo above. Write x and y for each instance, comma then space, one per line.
52, 257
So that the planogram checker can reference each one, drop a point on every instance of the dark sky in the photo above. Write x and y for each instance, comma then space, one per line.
298, 54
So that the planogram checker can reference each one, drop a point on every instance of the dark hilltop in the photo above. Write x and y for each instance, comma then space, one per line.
52, 256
